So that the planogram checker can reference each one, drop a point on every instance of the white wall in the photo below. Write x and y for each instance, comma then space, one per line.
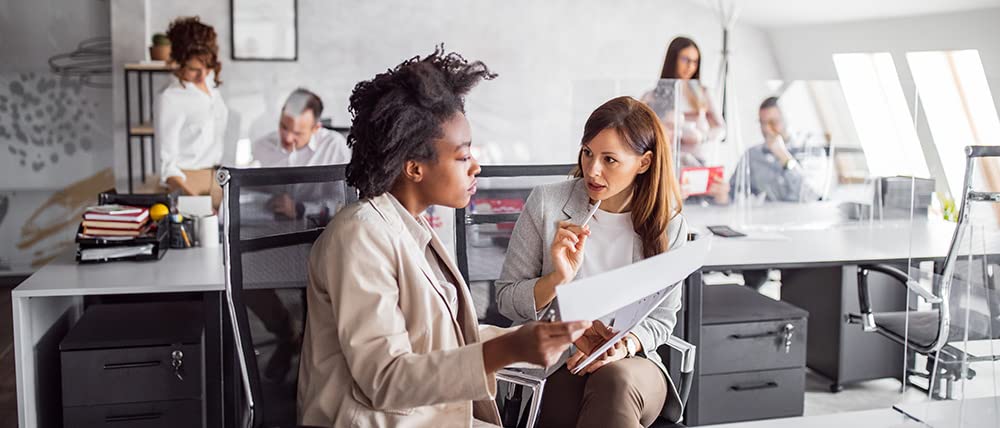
541, 49
805, 52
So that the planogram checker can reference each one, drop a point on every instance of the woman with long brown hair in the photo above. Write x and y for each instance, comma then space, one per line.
624, 162
191, 118
699, 123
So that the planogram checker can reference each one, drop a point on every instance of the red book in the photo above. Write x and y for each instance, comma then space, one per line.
124, 214
695, 180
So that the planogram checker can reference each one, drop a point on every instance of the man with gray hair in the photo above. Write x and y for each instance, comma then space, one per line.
301, 141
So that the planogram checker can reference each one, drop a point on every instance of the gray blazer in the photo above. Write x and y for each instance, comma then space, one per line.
528, 259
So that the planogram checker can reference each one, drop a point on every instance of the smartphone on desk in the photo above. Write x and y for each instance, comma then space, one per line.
725, 232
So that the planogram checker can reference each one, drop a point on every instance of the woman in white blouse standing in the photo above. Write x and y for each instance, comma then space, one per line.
192, 116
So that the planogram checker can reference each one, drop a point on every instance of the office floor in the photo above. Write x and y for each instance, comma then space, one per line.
884, 393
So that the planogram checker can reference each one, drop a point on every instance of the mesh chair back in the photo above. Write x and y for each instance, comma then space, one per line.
482, 230
271, 218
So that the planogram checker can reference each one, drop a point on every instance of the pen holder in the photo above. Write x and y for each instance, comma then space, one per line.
181, 232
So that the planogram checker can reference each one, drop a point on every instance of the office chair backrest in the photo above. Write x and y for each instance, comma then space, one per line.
271, 218
482, 230
959, 239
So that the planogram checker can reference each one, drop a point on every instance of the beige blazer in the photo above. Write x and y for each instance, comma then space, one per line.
381, 347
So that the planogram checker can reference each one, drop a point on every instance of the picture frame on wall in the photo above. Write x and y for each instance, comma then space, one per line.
264, 30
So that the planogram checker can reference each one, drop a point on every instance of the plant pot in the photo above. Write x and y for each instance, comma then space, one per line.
159, 53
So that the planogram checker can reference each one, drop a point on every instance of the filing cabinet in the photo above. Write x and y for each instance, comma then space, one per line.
753, 357
134, 365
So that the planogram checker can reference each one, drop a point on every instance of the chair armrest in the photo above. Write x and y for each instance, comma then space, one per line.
864, 297
688, 353
687, 350
518, 377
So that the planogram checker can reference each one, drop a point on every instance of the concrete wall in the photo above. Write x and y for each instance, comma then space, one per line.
545, 52
55, 132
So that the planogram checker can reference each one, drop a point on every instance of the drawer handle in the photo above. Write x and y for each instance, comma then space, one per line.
757, 335
784, 335
135, 365
129, 418
752, 387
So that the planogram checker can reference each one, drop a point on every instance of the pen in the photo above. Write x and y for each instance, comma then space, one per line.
590, 214
187, 242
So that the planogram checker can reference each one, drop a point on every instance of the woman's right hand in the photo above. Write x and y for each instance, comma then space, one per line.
542, 343
567, 250
539, 343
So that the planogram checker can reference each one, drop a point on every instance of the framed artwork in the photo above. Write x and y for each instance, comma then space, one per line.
265, 30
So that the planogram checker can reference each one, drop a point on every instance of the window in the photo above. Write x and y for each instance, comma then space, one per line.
956, 98
880, 114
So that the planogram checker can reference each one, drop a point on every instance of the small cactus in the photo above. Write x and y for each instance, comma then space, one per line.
160, 39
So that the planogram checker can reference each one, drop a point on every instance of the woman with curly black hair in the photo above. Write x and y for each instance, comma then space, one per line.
192, 116
392, 337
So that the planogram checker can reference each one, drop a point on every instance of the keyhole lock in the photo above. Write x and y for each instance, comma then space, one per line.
786, 335
177, 362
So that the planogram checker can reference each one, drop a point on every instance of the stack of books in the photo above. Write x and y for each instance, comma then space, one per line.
118, 232
108, 221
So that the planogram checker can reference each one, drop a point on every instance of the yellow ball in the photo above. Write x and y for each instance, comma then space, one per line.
158, 211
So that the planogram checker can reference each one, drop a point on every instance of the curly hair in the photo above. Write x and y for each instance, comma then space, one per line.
397, 115
191, 39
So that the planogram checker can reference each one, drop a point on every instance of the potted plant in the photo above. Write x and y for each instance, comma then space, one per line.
160, 51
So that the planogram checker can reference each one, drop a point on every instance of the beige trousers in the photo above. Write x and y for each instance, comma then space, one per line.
626, 393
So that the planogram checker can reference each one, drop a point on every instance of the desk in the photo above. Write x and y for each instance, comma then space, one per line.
970, 413
819, 253
49, 302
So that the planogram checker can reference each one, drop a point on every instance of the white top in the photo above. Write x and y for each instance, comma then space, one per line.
190, 125
326, 147
610, 245
180, 270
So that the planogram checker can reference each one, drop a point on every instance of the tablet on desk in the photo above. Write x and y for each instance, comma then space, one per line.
725, 232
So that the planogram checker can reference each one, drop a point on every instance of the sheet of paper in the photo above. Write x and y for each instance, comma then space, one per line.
627, 317
596, 296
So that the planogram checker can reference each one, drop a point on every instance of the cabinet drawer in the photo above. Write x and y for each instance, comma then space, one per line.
184, 413
752, 395
740, 347
130, 375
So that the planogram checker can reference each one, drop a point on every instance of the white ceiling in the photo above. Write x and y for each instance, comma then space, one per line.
780, 13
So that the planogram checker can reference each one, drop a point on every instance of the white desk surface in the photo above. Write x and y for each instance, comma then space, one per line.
813, 235
180, 270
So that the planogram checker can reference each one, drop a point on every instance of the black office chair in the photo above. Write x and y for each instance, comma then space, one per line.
482, 233
266, 261
951, 319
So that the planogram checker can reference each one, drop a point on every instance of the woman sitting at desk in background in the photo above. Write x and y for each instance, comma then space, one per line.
625, 162
191, 117
700, 123
392, 337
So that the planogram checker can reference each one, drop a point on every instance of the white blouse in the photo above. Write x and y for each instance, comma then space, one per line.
190, 125
610, 244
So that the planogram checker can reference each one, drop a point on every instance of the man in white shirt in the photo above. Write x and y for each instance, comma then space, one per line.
302, 141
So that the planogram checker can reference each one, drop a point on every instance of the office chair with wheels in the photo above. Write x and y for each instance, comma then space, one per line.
271, 217
952, 317
482, 233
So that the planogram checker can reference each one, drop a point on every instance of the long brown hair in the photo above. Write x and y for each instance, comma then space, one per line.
656, 197
679, 43
192, 39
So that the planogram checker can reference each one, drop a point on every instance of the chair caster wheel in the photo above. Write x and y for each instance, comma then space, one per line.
835, 388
